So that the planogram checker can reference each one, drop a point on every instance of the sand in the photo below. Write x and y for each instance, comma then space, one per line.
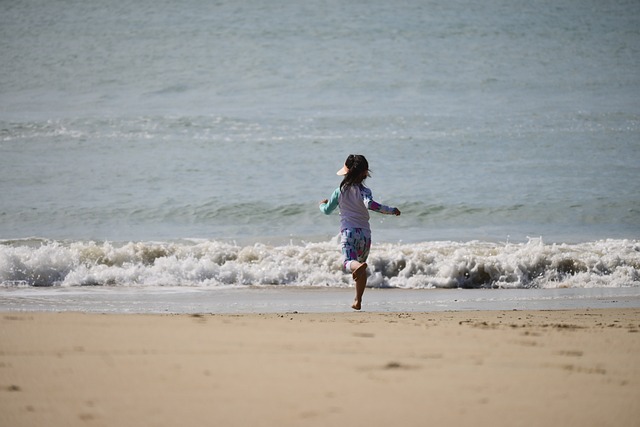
479, 368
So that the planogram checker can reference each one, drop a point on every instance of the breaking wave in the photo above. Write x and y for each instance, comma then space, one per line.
207, 263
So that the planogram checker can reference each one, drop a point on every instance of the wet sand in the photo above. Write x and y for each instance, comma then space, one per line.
465, 368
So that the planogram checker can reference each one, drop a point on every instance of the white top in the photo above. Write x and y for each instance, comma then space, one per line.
354, 202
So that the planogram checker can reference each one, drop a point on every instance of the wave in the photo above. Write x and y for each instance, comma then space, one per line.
207, 263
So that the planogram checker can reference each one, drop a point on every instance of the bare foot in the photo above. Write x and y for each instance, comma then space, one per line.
360, 272
357, 305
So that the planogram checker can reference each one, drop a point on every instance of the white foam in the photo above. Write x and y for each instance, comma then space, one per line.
598, 264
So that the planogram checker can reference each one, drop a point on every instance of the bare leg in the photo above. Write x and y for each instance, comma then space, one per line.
360, 276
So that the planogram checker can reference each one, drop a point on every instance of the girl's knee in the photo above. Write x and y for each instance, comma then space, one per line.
352, 265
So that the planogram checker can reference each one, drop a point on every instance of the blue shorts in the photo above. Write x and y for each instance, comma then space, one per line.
355, 244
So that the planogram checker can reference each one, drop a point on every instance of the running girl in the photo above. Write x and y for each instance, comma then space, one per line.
354, 199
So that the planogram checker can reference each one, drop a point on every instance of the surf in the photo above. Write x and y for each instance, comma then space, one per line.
219, 264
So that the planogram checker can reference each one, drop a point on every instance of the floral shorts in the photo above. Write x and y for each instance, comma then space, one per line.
355, 244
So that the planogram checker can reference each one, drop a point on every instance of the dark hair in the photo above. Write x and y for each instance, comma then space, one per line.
358, 170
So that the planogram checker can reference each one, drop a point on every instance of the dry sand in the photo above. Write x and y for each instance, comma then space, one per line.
494, 368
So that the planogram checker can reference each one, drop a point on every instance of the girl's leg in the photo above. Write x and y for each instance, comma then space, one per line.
355, 250
360, 276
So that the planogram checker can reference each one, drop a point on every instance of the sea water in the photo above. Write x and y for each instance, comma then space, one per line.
160, 143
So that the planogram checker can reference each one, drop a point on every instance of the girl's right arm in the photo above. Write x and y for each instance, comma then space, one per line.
328, 206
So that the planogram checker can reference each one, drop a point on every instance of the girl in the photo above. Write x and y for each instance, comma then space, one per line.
354, 199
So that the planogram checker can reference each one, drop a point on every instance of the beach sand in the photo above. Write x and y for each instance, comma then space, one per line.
471, 368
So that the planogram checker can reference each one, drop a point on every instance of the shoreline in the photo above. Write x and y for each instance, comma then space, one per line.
278, 299
560, 367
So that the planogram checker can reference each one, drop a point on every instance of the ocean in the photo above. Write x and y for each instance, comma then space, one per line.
186, 145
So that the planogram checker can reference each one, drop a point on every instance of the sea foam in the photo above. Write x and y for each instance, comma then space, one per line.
211, 263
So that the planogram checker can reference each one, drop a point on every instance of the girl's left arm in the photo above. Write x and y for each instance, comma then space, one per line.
371, 204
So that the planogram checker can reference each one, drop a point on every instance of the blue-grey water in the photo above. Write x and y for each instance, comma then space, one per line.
168, 143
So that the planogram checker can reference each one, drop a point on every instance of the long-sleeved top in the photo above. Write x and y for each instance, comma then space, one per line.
354, 202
